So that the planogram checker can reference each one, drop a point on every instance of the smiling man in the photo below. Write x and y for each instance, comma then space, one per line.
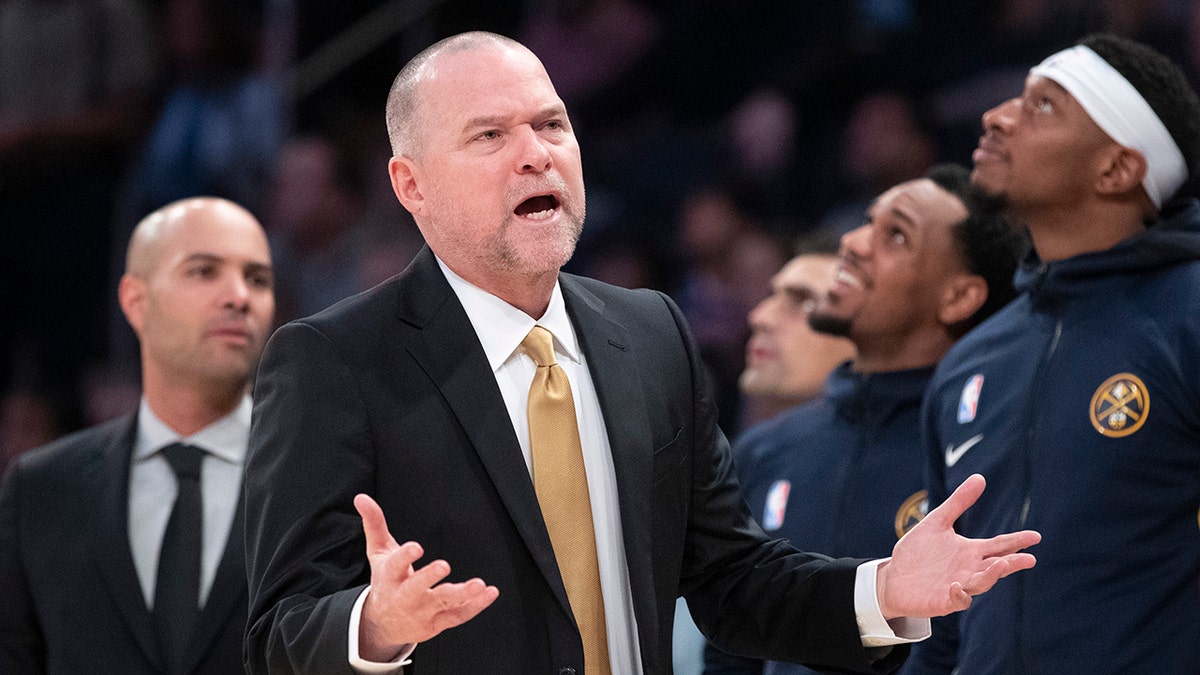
121, 546
549, 438
845, 474
1079, 400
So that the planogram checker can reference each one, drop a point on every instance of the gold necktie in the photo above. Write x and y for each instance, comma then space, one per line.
561, 485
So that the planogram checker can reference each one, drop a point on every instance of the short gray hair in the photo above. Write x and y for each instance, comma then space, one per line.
403, 113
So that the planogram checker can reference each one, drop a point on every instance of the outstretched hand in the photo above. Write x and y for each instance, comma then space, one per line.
935, 571
407, 605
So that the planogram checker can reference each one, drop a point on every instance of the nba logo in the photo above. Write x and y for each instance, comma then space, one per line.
969, 402
776, 504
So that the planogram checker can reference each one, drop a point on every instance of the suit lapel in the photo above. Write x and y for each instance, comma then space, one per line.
446, 347
228, 590
112, 549
607, 348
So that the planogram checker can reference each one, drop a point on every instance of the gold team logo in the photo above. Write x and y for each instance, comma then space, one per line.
911, 512
1120, 406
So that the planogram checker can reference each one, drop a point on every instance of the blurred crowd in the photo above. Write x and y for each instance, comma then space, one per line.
714, 134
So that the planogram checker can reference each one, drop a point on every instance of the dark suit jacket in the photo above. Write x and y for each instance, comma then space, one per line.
390, 393
70, 601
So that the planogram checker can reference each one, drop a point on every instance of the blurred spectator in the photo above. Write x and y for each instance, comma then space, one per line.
311, 215
763, 136
326, 243
28, 419
885, 145
587, 44
221, 120
729, 265
74, 76
624, 264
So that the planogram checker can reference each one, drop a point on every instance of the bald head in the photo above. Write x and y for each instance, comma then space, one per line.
146, 245
199, 292
403, 112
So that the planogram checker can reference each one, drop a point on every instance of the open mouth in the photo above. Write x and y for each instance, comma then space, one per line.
847, 278
540, 207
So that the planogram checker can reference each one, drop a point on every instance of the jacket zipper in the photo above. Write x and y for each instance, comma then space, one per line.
1026, 503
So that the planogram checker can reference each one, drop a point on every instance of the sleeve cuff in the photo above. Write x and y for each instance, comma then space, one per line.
361, 665
872, 627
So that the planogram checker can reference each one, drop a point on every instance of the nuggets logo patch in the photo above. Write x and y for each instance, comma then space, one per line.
777, 498
1120, 406
911, 512
968, 403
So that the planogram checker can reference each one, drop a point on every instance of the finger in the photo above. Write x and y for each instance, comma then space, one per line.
474, 597
450, 596
1017, 562
379, 540
959, 598
397, 564
429, 576
1011, 542
962, 498
982, 582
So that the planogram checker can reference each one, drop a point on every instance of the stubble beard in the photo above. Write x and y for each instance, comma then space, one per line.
516, 253
828, 324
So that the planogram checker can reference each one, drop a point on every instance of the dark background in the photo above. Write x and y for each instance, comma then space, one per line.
714, 134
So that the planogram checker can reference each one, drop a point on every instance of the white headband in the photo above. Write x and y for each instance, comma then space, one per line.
1117, 108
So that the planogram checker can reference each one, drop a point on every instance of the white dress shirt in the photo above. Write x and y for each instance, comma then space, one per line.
500, 328
153, 488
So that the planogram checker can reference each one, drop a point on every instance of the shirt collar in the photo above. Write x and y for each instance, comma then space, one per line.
227, 438
501, 327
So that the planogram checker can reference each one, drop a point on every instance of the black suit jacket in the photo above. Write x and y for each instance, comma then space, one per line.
390, 393
70, 601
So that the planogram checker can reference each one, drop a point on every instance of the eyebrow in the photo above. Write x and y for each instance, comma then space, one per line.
902, 215
556, 110
214, 258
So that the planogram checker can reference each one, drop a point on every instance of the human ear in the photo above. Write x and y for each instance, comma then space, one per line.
962, 296
1122, 171
404, 174
131, 294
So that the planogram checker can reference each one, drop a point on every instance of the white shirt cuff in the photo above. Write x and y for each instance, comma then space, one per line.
874, 629
361, 665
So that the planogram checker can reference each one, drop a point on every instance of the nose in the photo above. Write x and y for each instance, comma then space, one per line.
1000, 118
534, 156
760, 316
856, 243
237, 293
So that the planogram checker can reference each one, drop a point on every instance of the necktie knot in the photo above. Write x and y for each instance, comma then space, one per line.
184, 459
539, 345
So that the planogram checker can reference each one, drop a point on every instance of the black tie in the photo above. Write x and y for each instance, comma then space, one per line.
177, 590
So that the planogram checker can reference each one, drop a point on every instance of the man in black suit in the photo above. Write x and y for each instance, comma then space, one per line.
100, 570
420, 401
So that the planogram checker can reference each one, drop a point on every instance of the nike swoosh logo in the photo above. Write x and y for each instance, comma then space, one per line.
954, 454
